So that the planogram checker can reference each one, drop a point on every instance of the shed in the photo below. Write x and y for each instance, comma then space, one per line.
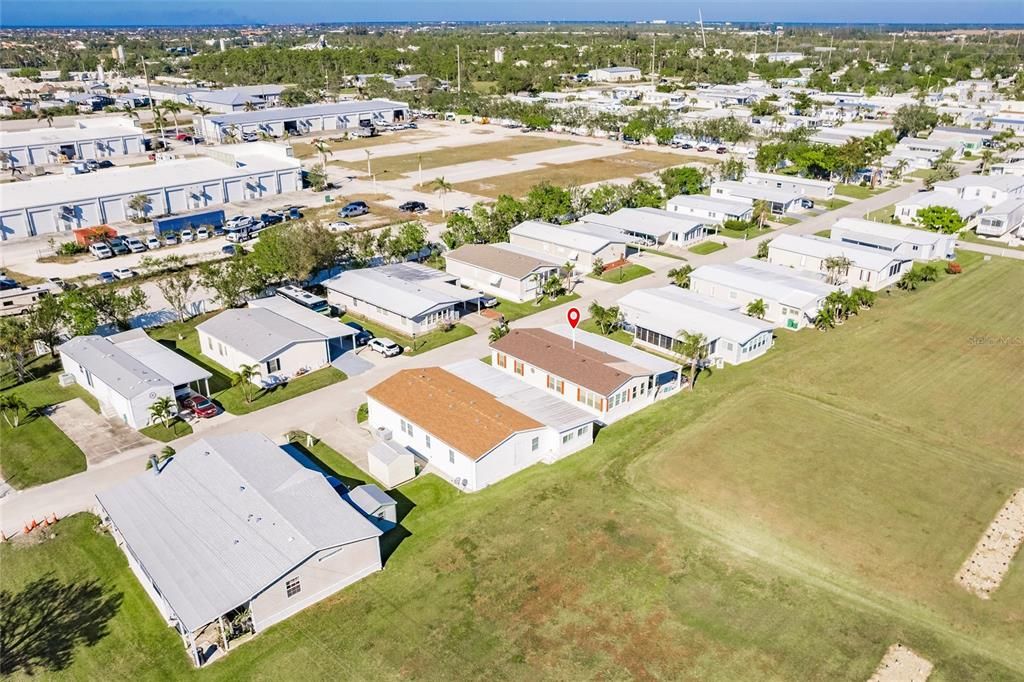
391, 463
374, 502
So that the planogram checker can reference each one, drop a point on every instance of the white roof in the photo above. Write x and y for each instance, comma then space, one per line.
565, 236
369, 498
60, 189
701, 202
779, 283
617, 69
42, 136
1004, 183
260, 332
225, 518
742, 189
174, 367
1008, 206
124, 366
535, 403
776, 177
670, 310
397, 290
310, 319
965, 207
654, 222
633, 356
819, 247
307, 111
889, 232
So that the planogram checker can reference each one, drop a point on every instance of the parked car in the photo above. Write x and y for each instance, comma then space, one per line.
806, 203
105, 277
238, 221
722, 150
488, 301
135, 244
92, 164
118, 246
170, 239
153, 243
124, 273
352, 209
188, 236
199, 405
100, 250
363, 336
271, 218
183, 137
203, 233
249, 137
59, 283
385, 347
686, 145
413, 207
230, 249
340, 225
702, 147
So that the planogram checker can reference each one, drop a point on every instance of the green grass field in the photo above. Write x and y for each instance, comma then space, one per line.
706, 248
514, 311
422, 344
38, 452
859, 191
788, 520
626, 273
176, 428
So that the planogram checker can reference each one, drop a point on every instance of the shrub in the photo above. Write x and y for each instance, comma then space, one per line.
363, 413
953, 268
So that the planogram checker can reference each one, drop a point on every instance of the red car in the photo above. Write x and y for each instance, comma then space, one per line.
200, 406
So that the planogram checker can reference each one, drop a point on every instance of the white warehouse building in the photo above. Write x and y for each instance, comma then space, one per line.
98, 138
304, 120
224, 175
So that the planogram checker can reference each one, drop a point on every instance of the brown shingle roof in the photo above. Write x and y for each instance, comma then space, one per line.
508, 263
585, 366
454, 411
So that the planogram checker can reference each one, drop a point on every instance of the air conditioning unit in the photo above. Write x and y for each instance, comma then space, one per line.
66, 379
383, 433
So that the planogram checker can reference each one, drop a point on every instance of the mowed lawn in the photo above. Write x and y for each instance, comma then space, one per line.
406, 164
627, 165
788, 520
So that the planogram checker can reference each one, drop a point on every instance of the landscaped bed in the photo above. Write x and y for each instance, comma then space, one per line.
176, 428
423, 342
511, 310
623, 273
705, 248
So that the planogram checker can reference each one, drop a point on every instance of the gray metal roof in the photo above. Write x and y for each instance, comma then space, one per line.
520, 396
114, 366
225, 518
369, 498
671, 310
819, 247
307, 111
408, 292
258, 332
731, 188
654, 222
782, 285
329, 327
578, 240
705, 203
176, 368
388, 451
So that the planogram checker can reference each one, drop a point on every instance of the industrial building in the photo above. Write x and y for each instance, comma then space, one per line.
96, 138
223, 175
309, 119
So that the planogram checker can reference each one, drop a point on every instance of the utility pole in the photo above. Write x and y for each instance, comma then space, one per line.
458, 69
368, 170
703, 39
654, 51
892, 49
778, 37
831, 39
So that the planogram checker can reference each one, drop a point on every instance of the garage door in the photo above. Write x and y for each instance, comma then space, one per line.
87, 214
113, 210
213, 193
42, 221
88, 150
37, 156
177, 200
13, 226
268, 184
235, 191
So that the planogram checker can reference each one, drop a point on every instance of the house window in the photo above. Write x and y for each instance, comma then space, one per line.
502, 360
579, 432
209, 343
535, 444
220, 347
566, 438
518, 367
451, 455
427, 436
556, 384
292, 587
273, 365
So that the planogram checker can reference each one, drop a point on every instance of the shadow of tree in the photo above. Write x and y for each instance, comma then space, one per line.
41, 626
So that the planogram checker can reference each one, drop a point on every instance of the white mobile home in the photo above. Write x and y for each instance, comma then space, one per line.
567, 243
283, 339
900, 241
807, 187
868, 267
781, 201
657, 317
791, 300
594, 373
407, 297
501, 270
234, 530
715, 210
1002, 219
128, 372
474, 431
653, 226
221, 175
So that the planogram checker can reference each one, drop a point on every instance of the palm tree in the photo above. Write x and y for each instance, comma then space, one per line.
46, 116
757, 308
569, 272
825, 319
681, 276
249, 106
606, 319
498, 331
230, 135
693, 347
987, 156
130, 112
161, 410
762, 212
836, 268
243, 378
173, 108
12, 404
899, 169
863, 297
202, 112
442, 187
323, 149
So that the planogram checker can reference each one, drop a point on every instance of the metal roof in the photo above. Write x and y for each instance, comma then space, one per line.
224, 519
329, 327
174, 367
653, 222
755, 192
307, 111
819, 247
259, 332
576, 239
42, 136
535, 403
776, 177
886, 234
781, 285
705, 203
114, 366
671, 310
369, 498
399, 292
494, 259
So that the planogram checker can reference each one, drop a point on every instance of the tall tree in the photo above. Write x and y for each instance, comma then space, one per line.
177, 289
694, 349
16, 345
243, 379
47, 320
681, 276
442, 187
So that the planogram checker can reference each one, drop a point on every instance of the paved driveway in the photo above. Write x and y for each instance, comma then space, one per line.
98, 437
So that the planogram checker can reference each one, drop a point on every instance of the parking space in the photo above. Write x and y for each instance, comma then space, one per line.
99, 438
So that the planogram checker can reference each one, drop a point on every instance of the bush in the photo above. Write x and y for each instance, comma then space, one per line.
70, 249
363, 413
953, 268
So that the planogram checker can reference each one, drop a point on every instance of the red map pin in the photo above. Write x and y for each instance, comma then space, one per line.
573, 315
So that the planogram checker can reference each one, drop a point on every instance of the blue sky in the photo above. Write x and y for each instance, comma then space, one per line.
134, 12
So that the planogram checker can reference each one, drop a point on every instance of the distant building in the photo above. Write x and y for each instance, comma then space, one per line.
615, 74
311, 118
86, 139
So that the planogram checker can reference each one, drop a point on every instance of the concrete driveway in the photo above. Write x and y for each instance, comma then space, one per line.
98, 437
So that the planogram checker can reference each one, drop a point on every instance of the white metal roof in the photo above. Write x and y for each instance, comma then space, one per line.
1004, 183
224, 519
819, 247
776, 177
566, 237
732, 188
702, 202
964, 207
329, 327
890, 233
782, 285
670, 310
406, 297
113, 366
174, 367
42, 136
369, 498
1007, 207
654, 222
520, 396
306, 111
259, 332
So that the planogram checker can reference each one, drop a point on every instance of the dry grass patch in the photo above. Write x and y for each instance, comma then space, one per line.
900, 664
628, 165
304, 150
985, 568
